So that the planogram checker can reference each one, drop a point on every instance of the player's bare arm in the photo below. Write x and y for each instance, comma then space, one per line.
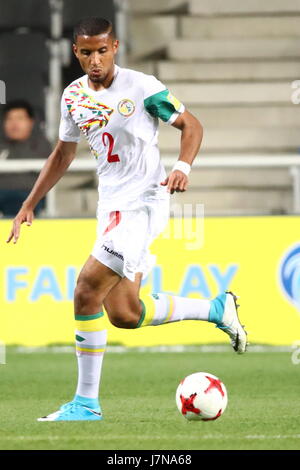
191, 138
54, 168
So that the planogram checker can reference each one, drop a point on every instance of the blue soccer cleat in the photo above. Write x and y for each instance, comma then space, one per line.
80, 409
223, 312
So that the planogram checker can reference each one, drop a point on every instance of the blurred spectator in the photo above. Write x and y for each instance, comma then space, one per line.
22, 139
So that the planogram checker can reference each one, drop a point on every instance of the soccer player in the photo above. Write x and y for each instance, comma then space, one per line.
117, 109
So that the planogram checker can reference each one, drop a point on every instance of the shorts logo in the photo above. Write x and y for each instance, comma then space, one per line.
126, 107
112, 252
289, 275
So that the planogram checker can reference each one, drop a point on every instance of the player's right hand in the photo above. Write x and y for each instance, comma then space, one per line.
24, 215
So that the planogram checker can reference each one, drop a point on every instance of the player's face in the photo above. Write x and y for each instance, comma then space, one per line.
96, 55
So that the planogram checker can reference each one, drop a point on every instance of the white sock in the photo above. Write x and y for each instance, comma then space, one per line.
90, 347
164, 308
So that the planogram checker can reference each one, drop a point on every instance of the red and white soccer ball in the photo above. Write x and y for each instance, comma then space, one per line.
201, 396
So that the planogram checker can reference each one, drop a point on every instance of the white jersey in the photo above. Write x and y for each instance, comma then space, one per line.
121, 126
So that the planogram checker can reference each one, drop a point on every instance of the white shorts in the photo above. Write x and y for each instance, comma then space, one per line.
124, 238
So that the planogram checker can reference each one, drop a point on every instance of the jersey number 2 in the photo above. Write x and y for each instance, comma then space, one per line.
108, 139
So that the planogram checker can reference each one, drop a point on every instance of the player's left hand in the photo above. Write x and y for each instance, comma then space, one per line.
176, 181
25, 214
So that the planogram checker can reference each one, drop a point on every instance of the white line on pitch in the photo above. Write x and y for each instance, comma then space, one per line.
103, 437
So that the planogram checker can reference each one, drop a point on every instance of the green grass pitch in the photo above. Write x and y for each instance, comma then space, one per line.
138, 401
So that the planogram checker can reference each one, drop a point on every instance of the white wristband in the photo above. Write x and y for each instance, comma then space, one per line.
182, 166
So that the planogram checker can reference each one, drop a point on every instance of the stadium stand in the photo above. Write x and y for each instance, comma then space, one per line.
232, 64
24, 55
24, 62
32, 14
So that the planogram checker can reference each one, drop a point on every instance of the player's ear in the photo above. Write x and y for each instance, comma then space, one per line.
115, 45
75, 50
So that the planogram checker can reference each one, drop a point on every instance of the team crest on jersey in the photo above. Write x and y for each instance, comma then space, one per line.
86, 111
126, 107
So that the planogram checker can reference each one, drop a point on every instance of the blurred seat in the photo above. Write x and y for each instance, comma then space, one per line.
27, 48
24, 83
24, 63
33, 14
74, 10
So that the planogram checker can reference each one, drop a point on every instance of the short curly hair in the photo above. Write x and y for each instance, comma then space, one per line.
92, 26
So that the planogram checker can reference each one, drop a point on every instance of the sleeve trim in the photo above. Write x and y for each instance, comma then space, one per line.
69, 139
176, 114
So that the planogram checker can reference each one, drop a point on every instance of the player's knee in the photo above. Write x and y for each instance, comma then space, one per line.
84, 292
124, 319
